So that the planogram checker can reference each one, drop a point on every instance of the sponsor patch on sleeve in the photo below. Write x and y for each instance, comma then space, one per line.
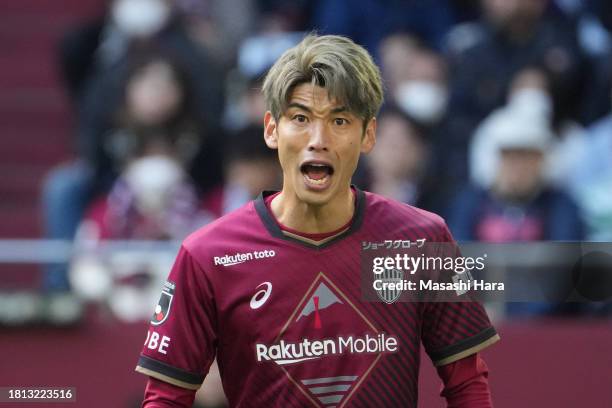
162, 310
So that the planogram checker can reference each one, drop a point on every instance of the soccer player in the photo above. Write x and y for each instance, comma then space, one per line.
273, 289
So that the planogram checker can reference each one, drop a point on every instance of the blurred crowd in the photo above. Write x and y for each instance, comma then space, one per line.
497, 115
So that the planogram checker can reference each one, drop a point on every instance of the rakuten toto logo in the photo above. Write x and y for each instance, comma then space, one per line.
241, 257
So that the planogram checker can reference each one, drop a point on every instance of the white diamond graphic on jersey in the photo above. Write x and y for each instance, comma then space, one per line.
321, 338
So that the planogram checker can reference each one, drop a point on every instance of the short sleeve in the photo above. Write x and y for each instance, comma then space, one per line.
454, 330
181, 340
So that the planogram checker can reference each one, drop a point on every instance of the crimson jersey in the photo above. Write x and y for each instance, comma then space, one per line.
285, 319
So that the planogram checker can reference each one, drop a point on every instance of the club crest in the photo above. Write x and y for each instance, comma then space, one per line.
390, 276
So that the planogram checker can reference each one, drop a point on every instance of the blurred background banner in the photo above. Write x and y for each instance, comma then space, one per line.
127, 124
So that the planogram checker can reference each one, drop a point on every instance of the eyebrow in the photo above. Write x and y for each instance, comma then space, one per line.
307, 109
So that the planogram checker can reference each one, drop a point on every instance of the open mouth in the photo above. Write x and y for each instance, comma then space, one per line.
317, 174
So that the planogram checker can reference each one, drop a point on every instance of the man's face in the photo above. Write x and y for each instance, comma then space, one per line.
520, 172
400, 152
319, 142
154, 94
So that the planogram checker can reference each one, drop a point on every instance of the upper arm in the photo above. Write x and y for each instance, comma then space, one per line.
181, 341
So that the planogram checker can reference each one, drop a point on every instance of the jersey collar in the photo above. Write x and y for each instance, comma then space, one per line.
274, 229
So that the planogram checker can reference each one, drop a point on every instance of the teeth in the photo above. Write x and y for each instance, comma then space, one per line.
318, 182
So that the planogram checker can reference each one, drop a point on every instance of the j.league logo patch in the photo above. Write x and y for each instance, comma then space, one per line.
162, 310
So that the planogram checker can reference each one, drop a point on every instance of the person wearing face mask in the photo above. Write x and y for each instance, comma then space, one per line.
140, 18
153, 199
423, 94
423, 100
94, 47
95, 61
417, 78
154, 131
153, 146
153, 143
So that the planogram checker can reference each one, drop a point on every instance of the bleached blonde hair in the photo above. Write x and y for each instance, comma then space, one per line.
333, 62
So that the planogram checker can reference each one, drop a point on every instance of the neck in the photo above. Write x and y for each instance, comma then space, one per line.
294, 213
516, 197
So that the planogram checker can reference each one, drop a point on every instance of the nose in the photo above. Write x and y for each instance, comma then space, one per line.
318, 137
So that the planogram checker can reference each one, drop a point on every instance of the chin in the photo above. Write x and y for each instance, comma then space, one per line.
316, 198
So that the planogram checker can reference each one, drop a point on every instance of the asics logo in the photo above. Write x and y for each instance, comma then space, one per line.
260, 297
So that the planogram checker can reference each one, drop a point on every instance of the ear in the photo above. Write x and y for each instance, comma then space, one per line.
369, 137
270, 134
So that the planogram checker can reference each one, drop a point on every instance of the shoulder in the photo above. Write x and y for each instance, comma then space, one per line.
222, 232
557, 197
392, 212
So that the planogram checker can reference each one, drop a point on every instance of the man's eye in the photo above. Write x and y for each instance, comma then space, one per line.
340, 121
300, 118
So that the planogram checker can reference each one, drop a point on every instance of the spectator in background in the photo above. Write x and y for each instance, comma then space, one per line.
155, 118
417, 78
104, 92
96, 60
250, 168
530, 97
154, 142
396, 51
486, 55
399, 166
97, 52
518, 206
159, 102
367, 22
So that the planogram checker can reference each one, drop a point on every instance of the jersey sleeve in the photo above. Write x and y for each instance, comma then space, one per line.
181, 340
160, 394
455, 330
